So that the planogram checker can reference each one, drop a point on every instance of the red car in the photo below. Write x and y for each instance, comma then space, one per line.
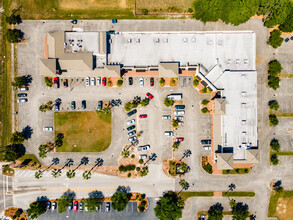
143, 116
152, 81
75, 204
149, 95
179, 139
104, 81
56, 82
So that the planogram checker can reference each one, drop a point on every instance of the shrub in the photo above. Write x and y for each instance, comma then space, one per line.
129, 175
273, 120
245, 170
205, 102
144, 102
144, 171
237, 170
175, 123
127, 106
162, 81
195, 82
275, 145
274, 82
141, 208
173, 81
140, 161
49, 81
208, 168
275, 39
274, 105
119, 82
137, 169
206, 90
168, 102
205, 110
175, 146
144, 11
143, 203
279, 189
274, 159
110, 84
134, 104
126, 168
132, 156
189, 10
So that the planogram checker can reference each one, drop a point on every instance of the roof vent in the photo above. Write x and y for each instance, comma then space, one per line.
157, 40
129, 40
185, 40
243, 93
220, 43
166, 40
243, 104
244, 133
243, 76
193, 40
210, 42
138, 40
246, 61
229, 61
243, 122
237, 61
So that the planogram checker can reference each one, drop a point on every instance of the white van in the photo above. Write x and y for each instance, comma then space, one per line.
175, 97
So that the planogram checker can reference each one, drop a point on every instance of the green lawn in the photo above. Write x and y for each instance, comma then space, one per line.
83, 131
239, 194
186, 195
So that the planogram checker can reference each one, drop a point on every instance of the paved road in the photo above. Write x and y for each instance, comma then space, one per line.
5, 185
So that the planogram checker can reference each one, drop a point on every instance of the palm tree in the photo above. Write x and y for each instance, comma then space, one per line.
87, 175
125, 153
56, 173
70, 174
186, 153
153, 157
38, 174
184, 185
232, 186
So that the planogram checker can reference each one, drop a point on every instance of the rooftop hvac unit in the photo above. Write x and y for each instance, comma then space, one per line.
243, 76
237, 61
246, 61
229, 61
244, 133
243, 122
157, 40
243, 93
185, 40
220, 43
138, 40
129, 40
243, 104
166, 40
193, 40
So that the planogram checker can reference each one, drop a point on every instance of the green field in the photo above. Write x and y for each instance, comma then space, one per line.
83, 131
284, 198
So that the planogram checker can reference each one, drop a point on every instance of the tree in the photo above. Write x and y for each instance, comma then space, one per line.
162, 81
144, 102
87, 175
169, 207
120, 82
275, 68
13, 35
13, 19
125, 153
19, 82
56, 173
17, 138
168, 102
205, 110
92, 204
38, 174
49, 81
287, 25
216, 212
274, 159
42, 151
275, 145
144, 171
195, 82
18, 212
184, 167
63, 203
274, 82
175, 145
12, 152
127, 106
175, 123
184, 184
120, 200
273, 120
36, 209
275, 39
240, 211
274, 105
205, 102
279, 189
70, 174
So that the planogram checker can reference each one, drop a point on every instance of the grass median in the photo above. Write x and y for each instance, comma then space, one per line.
83, 131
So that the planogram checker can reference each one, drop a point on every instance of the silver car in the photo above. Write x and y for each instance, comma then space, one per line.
98, 81
47, 128
131, 133
93, 81
143, 148
141, 82
134, 138
22, 100
87, 81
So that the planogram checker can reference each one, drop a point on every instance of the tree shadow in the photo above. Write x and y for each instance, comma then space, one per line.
96, 194
70, 194
27, 132
278, 183
20, 148
42, 199
124, 189
28, 79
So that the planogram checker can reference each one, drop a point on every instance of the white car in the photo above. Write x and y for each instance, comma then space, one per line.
22, 100
87, 81
130, 122
178, 118
47, 128
141, 82
206, 147
134, 138
166, 117
143, 156
142, 148
168, 133
98, 81
179, 112
93, 81
23, 89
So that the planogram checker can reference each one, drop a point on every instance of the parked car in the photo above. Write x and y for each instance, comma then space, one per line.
73, 105
48, 205
65, 83
152, 81
141, 82
81, 206
130, 81
98, 81
83, 104
47, 128
286, 40
22, 95
291, 38
205, 141
23, 89
149, 95
132, 112
179, 107
143, 156
134, 138
166, 117
69, 208
143, 148
107, 206
22, 100
131, 128
143, 116
179, 139
202, 217
104, 81
168, 133
132, 121
75, 206
56, 82
206, 147
180, 122
180, 112
93, 81
54, 206
131, 133
100, 105
178, 118
87, 81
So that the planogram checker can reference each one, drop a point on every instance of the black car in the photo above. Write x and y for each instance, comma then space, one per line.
132, 112
83, 104
205, 141
130, 127
130, 80
48, 205
22, 95
57, 104
179, 107
100, 105
73, 105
